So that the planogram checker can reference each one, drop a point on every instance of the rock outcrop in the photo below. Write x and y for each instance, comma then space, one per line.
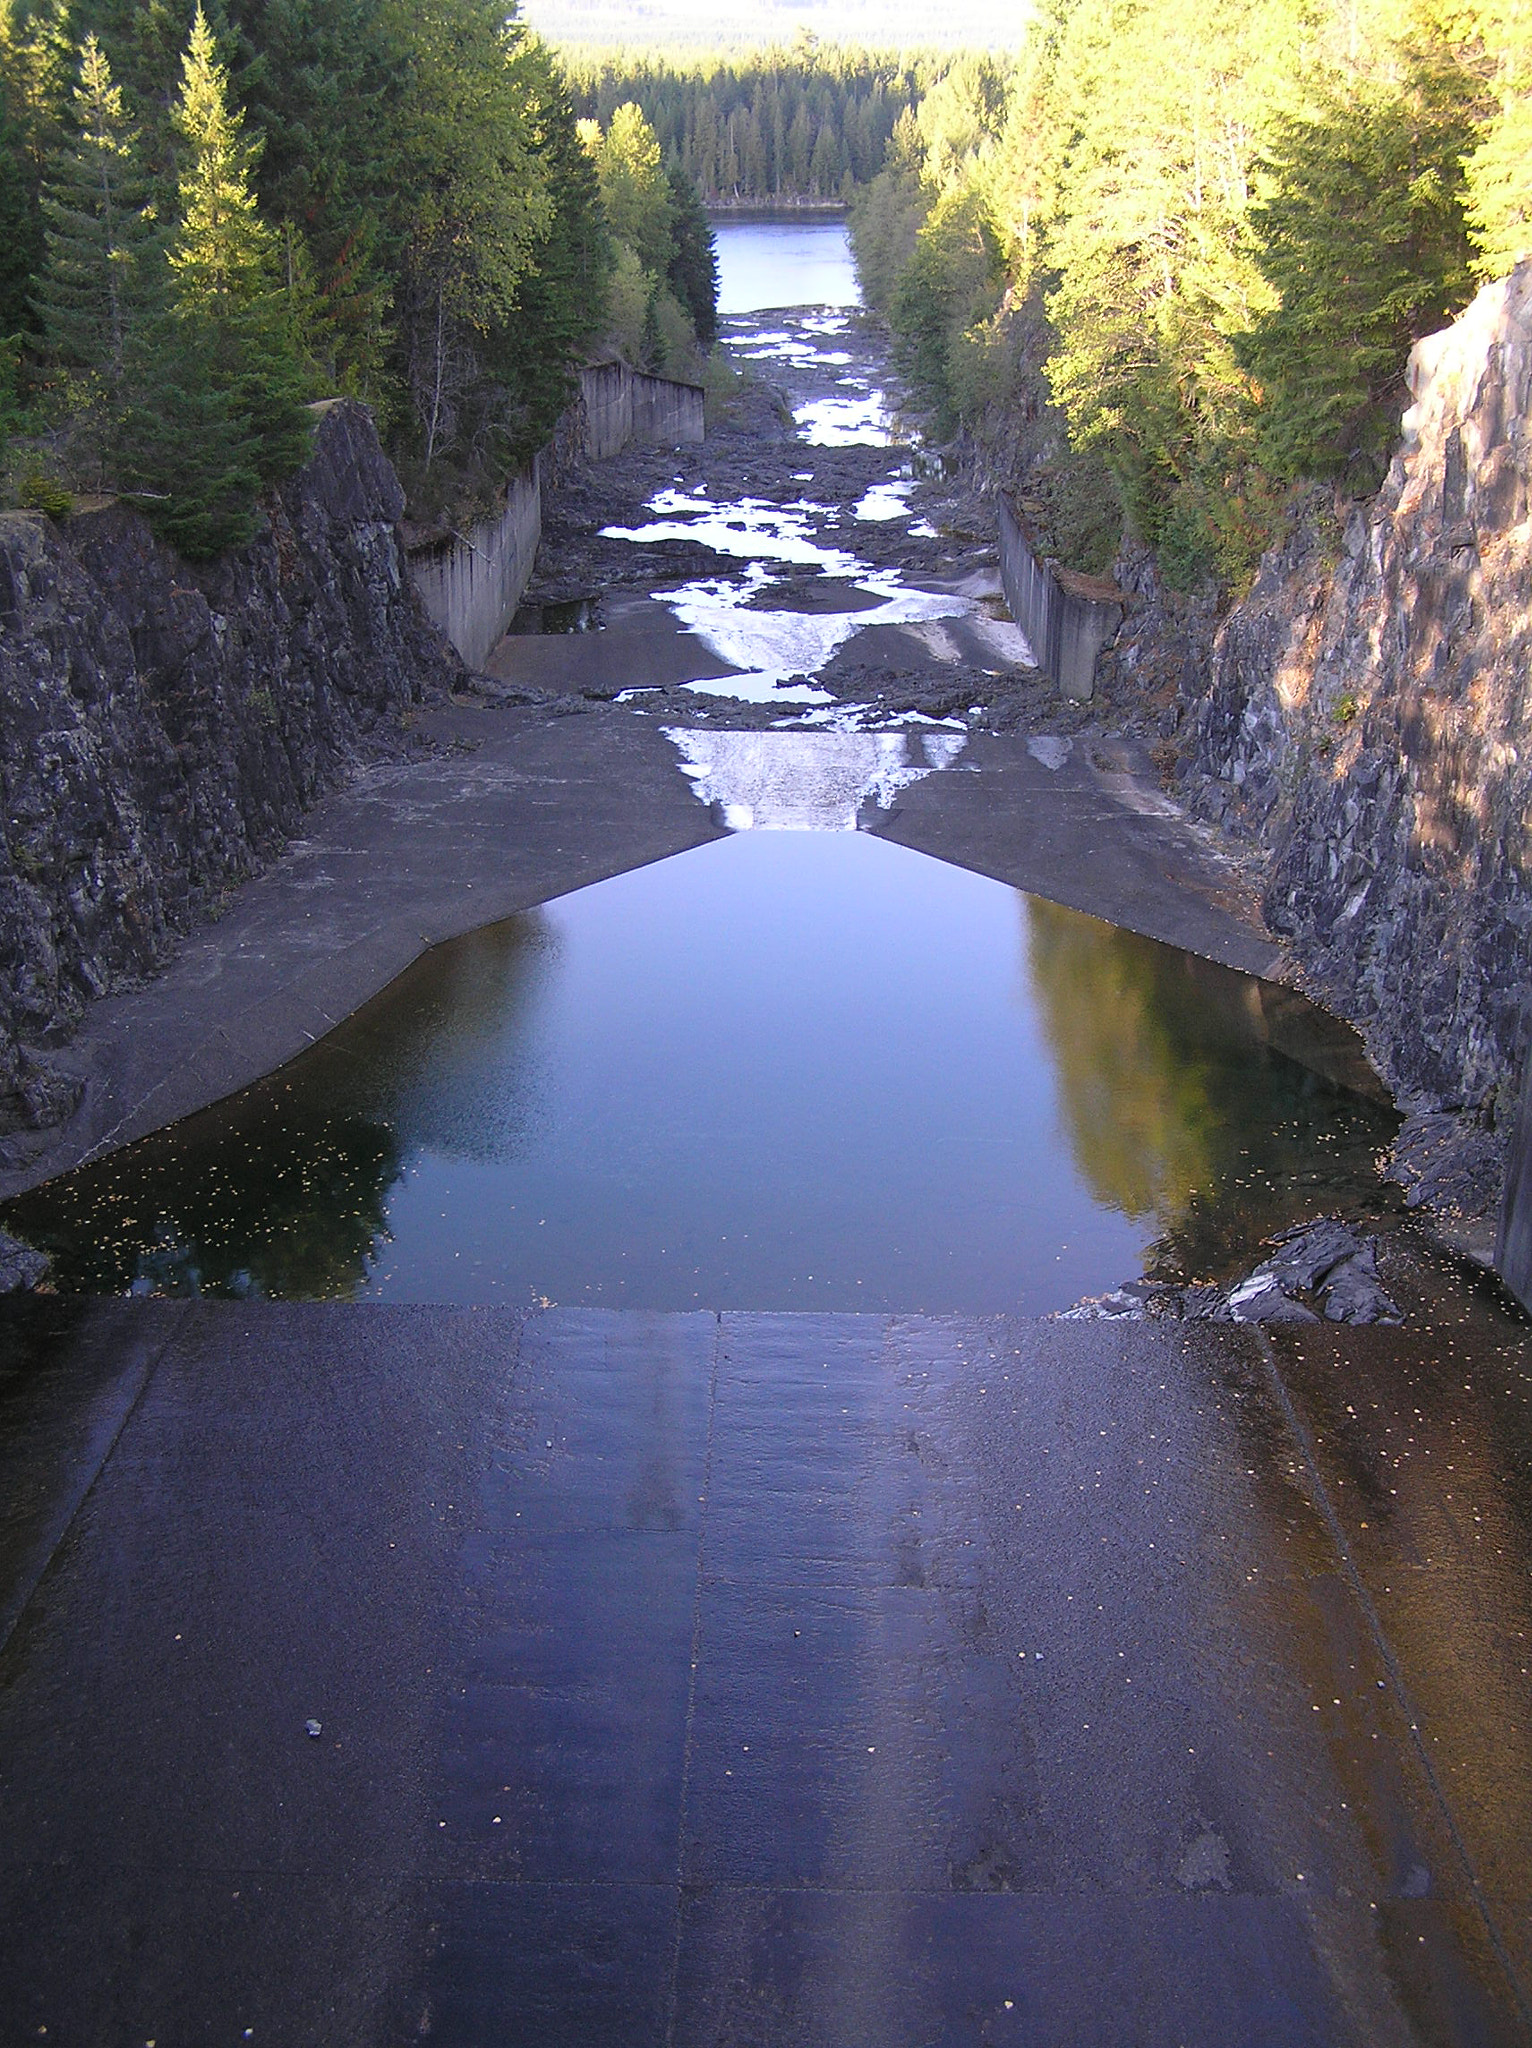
164, 726
1367, 720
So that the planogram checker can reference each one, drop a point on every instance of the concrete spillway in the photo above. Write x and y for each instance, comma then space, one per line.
376, 1674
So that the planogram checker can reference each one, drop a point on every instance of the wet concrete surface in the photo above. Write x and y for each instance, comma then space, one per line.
1087, 828
758, 1679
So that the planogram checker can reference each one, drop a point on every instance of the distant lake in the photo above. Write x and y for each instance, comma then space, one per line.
793, 262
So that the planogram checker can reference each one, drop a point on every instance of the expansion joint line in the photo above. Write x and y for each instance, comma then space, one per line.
1385, 1650
691, 1685
53, 1540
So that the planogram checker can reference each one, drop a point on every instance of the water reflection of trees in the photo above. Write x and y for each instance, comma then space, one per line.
1213, 1103
444, 1055
284, 1190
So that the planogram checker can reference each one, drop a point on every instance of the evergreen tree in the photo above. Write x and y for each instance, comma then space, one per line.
693, 270
221, 254
478, 206
1363, 237
99, 240
634, 189
20, 229
1499, 185
183, 449
223, 270
34, 89
561, 300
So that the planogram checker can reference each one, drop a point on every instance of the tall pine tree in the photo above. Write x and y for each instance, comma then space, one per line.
99, 238
218, 380
225, 279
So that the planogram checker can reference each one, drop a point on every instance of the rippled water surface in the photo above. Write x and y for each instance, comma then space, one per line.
790, 1069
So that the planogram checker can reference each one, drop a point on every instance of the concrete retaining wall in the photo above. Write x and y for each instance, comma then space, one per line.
606, 400
666, 411
471, 584
623, 405
1067, 618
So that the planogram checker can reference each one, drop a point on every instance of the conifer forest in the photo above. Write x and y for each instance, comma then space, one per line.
1155, 264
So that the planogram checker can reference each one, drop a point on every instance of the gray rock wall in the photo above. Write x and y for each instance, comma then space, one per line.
1368, 721
164, 726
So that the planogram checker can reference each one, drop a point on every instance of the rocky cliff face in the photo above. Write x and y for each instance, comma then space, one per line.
163, 727
1369, 720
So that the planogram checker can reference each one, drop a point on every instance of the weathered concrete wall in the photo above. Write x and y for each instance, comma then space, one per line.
1368, 720
471, 583
666, 411
165, 725
1067, 618
622, 405
606, 399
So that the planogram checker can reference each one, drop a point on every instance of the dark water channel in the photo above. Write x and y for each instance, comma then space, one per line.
789, 1069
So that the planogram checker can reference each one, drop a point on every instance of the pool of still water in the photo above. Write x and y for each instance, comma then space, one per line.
786, 1070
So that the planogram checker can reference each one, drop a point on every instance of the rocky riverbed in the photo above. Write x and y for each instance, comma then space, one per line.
810, 566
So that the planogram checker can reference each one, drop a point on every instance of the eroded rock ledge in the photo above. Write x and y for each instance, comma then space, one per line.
1367, 721
163, 727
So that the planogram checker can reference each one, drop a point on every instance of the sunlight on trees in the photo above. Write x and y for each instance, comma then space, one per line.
1220, 231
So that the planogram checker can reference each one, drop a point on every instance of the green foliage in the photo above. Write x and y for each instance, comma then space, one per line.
635, 192
34, 62
221, 251
184, 451
224, 279
324, 82
562, 296
950, 286
100, 239
1220, 230
382, 197
1384, 156
13, 415
664, 287
886, 217
40, 492
479, 206
20, 228
812, 122
1498, 187
693, 268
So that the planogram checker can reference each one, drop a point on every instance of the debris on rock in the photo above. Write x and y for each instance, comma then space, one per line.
1336, 1266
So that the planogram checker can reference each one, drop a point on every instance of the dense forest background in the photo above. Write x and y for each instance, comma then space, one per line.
209, 220
769, 127
1154, 266
1167, 261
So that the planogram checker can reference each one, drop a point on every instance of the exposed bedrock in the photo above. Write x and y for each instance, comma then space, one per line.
1367, 720
164, 726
